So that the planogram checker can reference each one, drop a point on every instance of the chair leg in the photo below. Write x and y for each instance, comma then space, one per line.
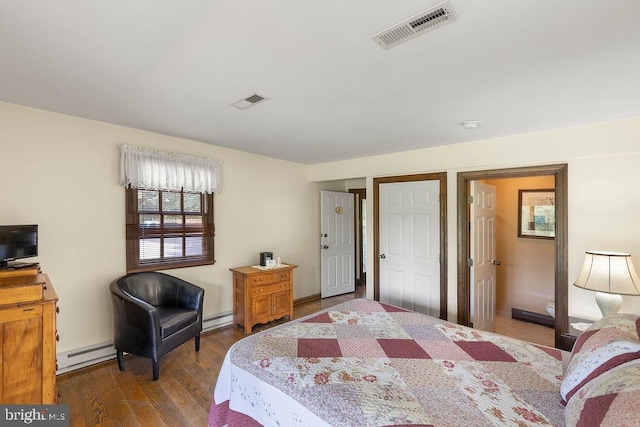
155, 363
198, 342
120, 357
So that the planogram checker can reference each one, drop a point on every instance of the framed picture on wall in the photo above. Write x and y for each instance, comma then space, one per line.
537, 214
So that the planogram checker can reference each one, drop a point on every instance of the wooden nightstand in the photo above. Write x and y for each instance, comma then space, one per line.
569, 338
260, 296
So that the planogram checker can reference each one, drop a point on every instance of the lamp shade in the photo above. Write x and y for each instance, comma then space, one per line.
609, 272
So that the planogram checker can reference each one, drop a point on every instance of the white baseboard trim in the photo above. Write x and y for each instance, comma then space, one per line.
97, 353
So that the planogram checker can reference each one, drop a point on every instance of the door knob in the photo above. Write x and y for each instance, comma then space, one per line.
323, 235
324, 247
496, 262
383, 256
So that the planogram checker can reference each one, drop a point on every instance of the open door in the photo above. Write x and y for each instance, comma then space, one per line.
482, 258
337, 245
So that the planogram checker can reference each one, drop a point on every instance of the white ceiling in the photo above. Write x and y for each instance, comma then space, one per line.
174, 67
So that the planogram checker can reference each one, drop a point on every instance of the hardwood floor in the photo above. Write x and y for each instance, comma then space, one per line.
101, 395
531, 332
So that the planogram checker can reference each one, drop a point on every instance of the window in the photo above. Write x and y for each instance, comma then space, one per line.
169, 203
168, 229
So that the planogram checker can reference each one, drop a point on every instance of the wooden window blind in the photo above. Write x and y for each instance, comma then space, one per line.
168, 229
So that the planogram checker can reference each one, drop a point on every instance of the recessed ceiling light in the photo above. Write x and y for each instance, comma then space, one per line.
470, 124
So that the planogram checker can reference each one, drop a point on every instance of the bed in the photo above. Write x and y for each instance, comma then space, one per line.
364, 363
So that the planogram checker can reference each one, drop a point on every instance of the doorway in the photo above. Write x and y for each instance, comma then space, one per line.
525, 268
360, 204
560, 251
442, 185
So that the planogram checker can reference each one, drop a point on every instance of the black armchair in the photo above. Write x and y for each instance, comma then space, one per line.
153, 313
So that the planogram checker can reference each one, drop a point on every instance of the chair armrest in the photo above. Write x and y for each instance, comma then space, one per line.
189, 295
133, 319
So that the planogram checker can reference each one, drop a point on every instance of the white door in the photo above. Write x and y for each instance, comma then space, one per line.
410, 245
337, 244
483, 256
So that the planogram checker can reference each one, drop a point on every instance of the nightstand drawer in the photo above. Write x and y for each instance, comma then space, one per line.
268, 278
266, 289
261, 279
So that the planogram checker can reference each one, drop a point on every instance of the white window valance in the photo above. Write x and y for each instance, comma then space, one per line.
151, 169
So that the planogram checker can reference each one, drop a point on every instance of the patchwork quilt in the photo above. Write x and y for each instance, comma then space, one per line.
363, 363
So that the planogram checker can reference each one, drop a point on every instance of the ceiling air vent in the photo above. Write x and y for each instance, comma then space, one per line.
249, 101
425, 21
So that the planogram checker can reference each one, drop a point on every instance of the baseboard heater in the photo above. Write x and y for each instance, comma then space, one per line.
86, 356
217, 321
532, 317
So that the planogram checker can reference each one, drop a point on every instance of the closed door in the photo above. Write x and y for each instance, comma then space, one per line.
337, 244
483, 256
409, 215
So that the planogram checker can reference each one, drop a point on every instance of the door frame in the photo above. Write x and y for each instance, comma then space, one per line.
442, 178
360, 194
560, 173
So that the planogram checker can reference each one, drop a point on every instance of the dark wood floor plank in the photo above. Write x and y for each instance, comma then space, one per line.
190, 409
95, 397
78, 404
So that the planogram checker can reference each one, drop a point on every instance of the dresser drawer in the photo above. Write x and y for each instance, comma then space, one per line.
267, 289
282, 275
260, 279
21, 293
268, 278
20, 313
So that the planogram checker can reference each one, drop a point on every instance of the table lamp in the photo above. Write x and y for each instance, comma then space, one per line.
610, 275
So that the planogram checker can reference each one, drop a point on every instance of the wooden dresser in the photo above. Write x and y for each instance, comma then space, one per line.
28, 310
260, 296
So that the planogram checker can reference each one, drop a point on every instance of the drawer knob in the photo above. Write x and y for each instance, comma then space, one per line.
57, 337
57, 309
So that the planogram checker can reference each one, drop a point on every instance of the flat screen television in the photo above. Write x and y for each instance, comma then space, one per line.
17, 242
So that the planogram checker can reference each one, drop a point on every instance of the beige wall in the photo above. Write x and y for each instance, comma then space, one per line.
525, 278
604, 198
61, 172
